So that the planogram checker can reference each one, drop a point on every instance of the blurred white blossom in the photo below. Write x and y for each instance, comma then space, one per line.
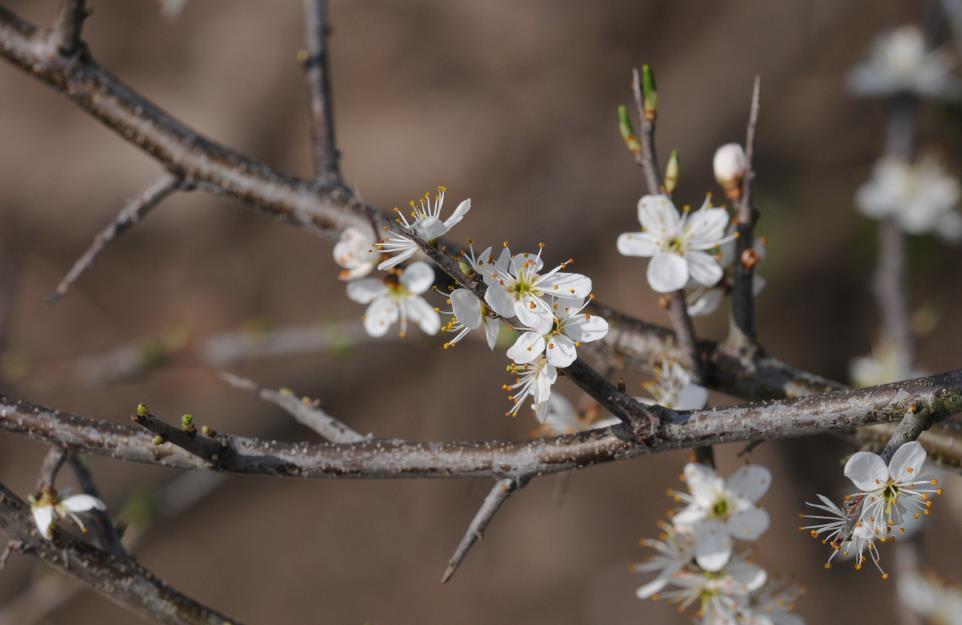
673, 388
560, 417
355, 252
730, 165
882, 366
898, 62
931, 598
49, 507
920, 197
703, 300
397, 297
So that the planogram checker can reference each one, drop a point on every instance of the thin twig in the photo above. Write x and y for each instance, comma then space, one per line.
492, 503
693, 360
132, 212
107, 535
12, 547
649, 158
317, 68
52, 463
211, 450
304, 411
917, 420
65, 32
121, 580
741, 334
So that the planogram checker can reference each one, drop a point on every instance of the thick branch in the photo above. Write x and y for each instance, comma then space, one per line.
840, 410
318, 72
492, 503
121, 580
742, 331
130, 214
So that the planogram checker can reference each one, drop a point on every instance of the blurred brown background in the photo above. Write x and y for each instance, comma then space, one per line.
511, 104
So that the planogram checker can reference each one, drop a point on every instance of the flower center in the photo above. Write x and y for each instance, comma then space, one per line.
676, 244
721, 509
891, 492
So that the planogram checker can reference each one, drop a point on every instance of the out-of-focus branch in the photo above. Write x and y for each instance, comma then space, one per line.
318, 72
499, 494
52, 463
377, 458
741, 335
303, 411
107, 535
130, 214
65, 33
943, 441
121, 580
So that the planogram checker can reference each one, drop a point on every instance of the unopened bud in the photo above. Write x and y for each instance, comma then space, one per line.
671, 172
628, 131
158, 440
142, 410
750, 258
649, 92
731, 166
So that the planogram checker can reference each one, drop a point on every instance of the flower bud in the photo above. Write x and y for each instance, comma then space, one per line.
731, 166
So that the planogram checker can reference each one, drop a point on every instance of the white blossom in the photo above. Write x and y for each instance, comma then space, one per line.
882, 366
678, 244
920, 197
718, 510
560, 417
899, 62
469, 313
570, 328
674, 551
355, 252
840, 527
719, 595
517, 288
673, 388
397, 297
425, 222
49, 507
532, 380
891, 493
773, 604
931, 598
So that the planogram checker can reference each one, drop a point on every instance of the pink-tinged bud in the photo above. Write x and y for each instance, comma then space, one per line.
731, 166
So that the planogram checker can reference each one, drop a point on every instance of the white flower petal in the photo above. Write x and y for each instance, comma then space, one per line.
366, 290
528, 347
707, 302
866, 470
561, 351
653, 587
43, 517
906, 463
499, 300
702, 481
713, 545
747, 575
704, 268
380, 316
568, 285
534, 313
748, 524
691, 397
749, 482
592, 328
659, 216
492, 330
457, 215
637, 244
83, 503
667, 272
399, 257
417, 277
706, 226
466, 307
543, 383
422, 313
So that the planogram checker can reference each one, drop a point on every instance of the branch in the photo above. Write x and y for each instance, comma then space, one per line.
378, 458
200, 445
741, 335
180, 149
108, 537
647, 116
492, 503
51, 466
304, 412
317, 69
135, 210
123, 581
65, 33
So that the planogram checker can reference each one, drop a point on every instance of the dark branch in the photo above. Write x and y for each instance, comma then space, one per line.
492, 503
65, 33
121, 580
130, 214
742, 330
317, 69
107, 535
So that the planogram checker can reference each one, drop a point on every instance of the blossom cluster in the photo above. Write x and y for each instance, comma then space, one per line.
695, 563
889, 502
546, 308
